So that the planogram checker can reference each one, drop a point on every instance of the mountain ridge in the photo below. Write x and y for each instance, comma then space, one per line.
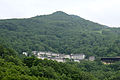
61, 33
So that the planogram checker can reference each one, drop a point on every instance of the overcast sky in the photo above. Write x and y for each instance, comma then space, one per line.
105, 12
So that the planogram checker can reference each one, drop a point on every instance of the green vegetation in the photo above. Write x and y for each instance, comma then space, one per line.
60, 33
32, 68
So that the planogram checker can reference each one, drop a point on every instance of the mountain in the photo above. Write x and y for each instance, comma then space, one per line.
61, 33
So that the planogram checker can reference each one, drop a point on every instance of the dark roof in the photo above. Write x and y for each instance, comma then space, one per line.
112, 58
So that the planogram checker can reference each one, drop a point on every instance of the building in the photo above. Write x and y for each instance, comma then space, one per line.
78, 56
55, 54
110, 60
25, 53
92, 58
41, 57
41, 53
76, 60
34, 52
58, 59
48, 53
61, 56
67, 56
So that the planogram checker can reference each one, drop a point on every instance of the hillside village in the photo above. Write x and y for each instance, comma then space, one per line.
60, 57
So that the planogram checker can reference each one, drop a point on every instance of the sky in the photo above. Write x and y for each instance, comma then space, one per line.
106, 12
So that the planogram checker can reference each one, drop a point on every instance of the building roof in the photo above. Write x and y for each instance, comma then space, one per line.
112, 59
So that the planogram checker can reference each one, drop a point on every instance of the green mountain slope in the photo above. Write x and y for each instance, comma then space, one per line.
60, 33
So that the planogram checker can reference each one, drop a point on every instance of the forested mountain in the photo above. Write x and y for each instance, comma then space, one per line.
61, 33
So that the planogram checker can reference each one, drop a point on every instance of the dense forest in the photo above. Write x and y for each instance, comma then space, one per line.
60, 33
12, 67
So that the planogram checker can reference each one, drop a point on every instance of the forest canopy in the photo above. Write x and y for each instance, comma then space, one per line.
12, 67
60, 33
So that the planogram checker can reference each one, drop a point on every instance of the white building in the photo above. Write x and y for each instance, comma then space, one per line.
58, 59
25, 53
48, 53
55, 54
42, 58
78, 56
41, 53
34, 52
76, 60
61, 56
38, 54
67, 56
92, 58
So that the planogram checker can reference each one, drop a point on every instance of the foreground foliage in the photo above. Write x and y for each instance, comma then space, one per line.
32, 68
